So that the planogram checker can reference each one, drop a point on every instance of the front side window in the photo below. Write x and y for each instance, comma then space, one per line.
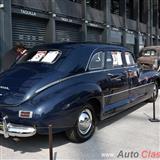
97, 61
129, 59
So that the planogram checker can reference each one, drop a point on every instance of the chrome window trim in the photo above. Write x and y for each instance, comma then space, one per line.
90, 59
103, 63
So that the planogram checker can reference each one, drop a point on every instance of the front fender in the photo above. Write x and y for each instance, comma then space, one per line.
150, 75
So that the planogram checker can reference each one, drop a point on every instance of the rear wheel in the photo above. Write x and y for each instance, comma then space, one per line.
85, 125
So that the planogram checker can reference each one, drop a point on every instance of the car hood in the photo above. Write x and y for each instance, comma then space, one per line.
21, 82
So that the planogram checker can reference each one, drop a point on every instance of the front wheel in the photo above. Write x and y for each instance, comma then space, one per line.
85, 125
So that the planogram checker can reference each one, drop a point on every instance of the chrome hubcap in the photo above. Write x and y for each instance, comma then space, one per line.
85, 121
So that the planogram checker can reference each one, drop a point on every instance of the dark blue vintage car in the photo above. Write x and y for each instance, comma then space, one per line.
71, 86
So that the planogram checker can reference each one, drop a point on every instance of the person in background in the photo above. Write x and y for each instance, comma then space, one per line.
12, 56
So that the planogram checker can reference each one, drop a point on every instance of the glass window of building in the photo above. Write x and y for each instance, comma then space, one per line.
115, 7
159, 12
129, 8
95, 4
155, 7
143, 11
77, 1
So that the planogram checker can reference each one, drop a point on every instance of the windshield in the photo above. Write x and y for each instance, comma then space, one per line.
149, 53
41, 56
64, 59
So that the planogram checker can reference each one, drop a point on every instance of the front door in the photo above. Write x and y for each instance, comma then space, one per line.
116, 94
136, 89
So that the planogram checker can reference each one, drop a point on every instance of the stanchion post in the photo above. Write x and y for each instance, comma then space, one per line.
154, 107
154, 119
50, 143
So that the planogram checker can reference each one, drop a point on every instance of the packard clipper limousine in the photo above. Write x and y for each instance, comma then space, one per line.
71, 86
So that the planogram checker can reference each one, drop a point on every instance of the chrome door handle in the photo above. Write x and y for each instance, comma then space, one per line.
109, 74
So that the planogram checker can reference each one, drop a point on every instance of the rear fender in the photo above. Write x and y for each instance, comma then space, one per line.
63, 106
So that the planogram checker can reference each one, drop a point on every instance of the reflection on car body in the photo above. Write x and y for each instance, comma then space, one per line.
71, 85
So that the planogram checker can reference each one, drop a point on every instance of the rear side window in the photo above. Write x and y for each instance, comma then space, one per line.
129, 59
117, 59
97, 61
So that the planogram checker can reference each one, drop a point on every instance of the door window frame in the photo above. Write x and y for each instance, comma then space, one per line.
103, 61
131, 54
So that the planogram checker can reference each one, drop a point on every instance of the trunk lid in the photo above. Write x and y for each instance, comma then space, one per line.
20, 83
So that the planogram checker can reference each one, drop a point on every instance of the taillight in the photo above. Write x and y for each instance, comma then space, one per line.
25, 114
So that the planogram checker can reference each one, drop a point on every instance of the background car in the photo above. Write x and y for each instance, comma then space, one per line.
150, 57
71, 86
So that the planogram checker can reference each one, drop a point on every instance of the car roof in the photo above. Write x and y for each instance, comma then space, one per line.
81, 52
152, 47
90, 45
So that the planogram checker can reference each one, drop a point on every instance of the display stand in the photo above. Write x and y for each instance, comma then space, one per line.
154, 119
50, 142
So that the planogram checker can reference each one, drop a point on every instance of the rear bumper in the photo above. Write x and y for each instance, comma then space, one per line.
15, 130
